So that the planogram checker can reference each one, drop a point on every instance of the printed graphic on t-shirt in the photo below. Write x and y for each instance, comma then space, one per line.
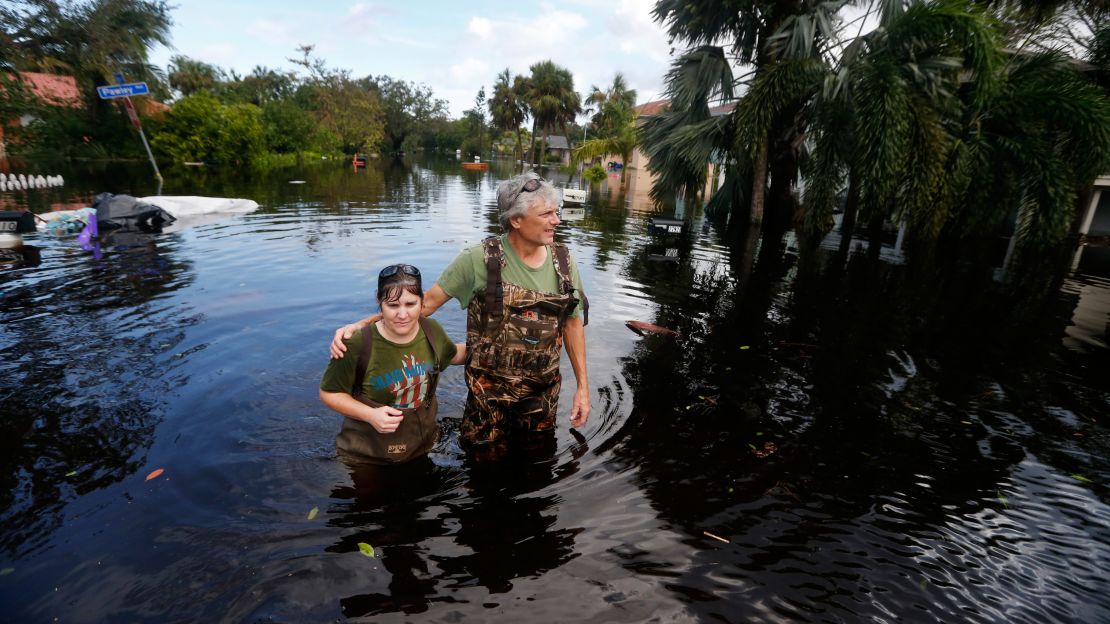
409, 383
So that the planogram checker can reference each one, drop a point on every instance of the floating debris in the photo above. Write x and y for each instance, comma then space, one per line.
312, 513
767, 449
643, 328
366, 549
716, 537
155, 474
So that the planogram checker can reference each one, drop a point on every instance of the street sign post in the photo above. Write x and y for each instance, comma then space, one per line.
125, 91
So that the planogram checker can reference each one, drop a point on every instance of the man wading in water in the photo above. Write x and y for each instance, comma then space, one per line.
524, 301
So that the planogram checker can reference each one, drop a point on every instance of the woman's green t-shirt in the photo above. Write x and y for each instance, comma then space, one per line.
397, 374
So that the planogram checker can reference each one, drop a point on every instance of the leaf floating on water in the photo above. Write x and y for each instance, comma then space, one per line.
745, 347
312, 513
71, 473
6, 571
366, 549
155, 474
752, 446
1081, 478
966, 422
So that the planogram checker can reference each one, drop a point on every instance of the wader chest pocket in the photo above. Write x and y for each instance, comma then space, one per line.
531, 328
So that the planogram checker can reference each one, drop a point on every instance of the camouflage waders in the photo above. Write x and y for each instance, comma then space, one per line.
418, 431
513, 339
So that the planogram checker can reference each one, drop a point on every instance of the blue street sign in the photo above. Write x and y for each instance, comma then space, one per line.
123, 90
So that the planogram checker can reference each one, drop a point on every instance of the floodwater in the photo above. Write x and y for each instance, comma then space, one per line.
827, 440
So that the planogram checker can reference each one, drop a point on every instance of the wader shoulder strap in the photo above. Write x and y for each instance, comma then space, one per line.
562, 267
427, 327
363, 358
495, 289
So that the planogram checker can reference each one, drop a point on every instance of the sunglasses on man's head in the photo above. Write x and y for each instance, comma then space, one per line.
392, 270
529, 187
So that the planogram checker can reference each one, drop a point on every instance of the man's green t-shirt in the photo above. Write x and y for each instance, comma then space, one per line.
465, 277
397, 374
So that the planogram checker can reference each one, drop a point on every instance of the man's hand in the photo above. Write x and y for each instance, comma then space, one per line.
337, 347
385, 419
580, 411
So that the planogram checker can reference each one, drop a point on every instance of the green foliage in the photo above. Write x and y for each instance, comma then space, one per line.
551, 98
406, 107
288, 128
934, 121
189, 76
508, 107
595, 174
200, 128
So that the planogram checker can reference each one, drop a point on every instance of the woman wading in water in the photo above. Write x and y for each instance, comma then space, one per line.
385, 383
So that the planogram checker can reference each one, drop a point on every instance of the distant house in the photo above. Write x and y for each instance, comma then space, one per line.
640, 184
558, 146
51, 90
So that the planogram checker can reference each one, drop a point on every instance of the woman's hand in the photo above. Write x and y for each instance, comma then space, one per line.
384, 419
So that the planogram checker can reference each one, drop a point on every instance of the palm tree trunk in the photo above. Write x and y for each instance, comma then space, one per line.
543, 147
532, 152
851, 207
875, 235
759, 184
519, 145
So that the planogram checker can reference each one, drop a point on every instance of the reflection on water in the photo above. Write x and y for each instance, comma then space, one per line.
827, 438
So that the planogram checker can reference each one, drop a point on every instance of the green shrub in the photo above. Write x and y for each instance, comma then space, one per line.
595, 174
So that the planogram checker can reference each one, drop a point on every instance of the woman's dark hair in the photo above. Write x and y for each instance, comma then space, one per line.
392, 287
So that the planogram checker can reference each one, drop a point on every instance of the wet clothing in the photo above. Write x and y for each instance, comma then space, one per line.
378, 372
514, 334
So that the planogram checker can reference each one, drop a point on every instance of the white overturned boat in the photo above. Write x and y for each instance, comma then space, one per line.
156, 213
574, 197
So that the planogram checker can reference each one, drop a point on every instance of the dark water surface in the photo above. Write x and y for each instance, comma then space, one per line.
870, 442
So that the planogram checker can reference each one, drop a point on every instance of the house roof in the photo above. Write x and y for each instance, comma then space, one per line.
557, 142
723, 109
648, 109
53, 89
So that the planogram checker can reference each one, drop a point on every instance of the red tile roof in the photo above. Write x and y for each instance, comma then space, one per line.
648, 109
53, 89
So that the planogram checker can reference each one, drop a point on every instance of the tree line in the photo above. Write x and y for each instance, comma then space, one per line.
309, 109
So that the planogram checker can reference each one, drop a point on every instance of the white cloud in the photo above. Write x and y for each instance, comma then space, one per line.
480, 26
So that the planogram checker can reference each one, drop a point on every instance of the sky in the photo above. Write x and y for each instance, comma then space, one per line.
453, 47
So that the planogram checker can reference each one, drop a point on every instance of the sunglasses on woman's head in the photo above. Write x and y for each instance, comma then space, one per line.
392, 269
529, 187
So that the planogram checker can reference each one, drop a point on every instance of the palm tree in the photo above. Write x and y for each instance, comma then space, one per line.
188, 75
752, 28
937, 129
552, 100
614, 123
619, 141
507, 108
612, 106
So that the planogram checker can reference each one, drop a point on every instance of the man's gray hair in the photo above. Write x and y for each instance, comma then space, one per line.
512, 201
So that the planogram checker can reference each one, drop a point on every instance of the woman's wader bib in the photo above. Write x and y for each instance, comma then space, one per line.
513, 339
418, 431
